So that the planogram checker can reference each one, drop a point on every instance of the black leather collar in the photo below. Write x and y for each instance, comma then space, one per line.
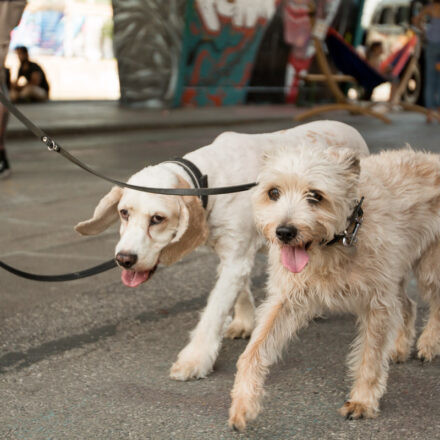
198, 179
349, 237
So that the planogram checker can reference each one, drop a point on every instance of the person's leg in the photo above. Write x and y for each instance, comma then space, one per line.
4, 116
436, 73
4, 164
430, 81
10, 14
33, 93
14, 95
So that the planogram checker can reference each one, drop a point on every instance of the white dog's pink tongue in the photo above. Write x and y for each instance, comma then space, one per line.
294, 258
133, 279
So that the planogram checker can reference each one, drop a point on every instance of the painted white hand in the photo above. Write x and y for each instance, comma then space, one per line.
244, 13
207, 9
248, 12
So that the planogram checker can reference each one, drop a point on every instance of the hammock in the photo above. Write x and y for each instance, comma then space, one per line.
348, 61
398, 67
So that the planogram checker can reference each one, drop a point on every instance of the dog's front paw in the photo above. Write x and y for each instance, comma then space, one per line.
244, 407
239, 328
241, 411
356, 410
192, 364
427, 349
399, 356
237, 418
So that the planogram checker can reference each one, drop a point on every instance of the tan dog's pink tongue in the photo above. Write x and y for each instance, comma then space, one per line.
294, 258
133, 279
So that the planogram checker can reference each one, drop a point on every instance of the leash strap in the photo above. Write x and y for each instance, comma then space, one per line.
53, 146
103, 267
198, 179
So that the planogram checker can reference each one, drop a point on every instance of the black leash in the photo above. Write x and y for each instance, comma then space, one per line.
200, 182
110, 264
53, 146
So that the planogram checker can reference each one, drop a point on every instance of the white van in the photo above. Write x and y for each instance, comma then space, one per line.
390, 22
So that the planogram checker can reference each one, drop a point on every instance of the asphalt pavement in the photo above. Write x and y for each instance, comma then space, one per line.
89, 359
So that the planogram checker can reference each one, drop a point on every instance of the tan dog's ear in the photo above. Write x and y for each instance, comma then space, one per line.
191, 232
105, 214
347, 157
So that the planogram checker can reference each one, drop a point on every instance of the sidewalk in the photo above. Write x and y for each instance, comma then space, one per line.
67, 117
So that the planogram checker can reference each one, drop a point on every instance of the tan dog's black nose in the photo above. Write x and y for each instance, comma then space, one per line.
126, 260
285, 233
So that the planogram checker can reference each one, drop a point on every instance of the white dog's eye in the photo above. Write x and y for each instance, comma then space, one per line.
274, 194
124, 214
156, 219
314, 197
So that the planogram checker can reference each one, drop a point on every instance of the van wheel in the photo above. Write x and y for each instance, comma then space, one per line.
413, 89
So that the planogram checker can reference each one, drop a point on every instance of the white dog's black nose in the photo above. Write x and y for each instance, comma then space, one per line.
286, 233
126, 260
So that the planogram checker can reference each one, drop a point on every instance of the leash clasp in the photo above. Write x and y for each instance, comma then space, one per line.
51, 144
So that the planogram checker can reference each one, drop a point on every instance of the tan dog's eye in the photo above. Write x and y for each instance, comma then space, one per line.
314, 197
274, 194
124, 214
156, 219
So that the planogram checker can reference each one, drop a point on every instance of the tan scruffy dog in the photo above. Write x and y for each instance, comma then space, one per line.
304, 202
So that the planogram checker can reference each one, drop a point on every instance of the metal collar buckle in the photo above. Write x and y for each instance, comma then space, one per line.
350, 238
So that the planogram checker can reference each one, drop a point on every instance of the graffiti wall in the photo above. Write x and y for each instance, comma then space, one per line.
220, 42
215, 52
147, 44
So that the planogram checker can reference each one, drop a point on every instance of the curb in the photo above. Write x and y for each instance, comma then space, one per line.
171, 121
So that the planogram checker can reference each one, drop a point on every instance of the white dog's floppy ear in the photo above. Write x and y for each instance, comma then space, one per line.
105, 214
191, 232
347, 157
184, 219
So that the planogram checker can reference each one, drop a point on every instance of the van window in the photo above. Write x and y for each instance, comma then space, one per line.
376, 17
387, 16
402, 15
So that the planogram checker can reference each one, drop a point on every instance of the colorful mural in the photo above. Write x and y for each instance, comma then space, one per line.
220, 42
299, 28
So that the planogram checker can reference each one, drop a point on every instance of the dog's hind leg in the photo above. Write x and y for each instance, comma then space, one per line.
428, 277
406, 335
244, 315
197, 359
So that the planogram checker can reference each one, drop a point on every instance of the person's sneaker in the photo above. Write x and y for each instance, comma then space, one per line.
5, 171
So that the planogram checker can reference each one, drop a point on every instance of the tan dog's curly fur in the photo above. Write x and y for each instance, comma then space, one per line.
400, 233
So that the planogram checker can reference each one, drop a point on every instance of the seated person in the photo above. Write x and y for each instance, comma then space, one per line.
36, 88
375, 54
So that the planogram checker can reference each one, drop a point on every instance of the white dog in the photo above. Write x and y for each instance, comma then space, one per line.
304, 202
162, 229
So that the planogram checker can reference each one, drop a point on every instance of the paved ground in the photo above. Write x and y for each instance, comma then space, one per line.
89, 359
